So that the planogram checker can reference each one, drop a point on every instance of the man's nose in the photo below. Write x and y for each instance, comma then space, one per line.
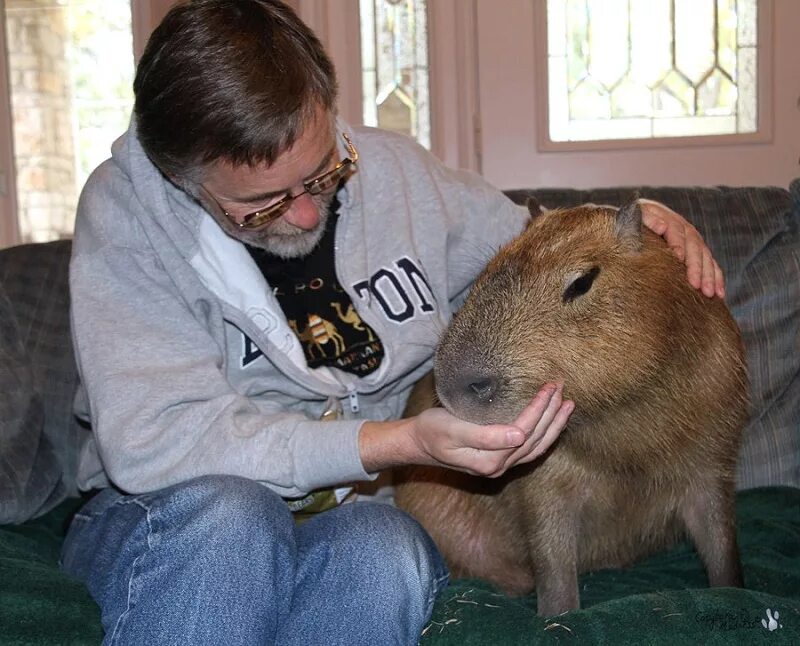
303, 213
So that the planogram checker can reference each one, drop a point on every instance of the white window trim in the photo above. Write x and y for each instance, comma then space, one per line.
763, 133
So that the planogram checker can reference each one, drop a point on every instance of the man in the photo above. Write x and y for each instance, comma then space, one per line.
256, 286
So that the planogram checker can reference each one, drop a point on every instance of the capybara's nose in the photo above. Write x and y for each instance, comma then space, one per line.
480, 388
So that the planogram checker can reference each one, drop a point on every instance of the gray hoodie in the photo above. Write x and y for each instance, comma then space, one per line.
188, 366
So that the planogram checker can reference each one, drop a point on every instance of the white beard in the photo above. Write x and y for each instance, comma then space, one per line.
287, 241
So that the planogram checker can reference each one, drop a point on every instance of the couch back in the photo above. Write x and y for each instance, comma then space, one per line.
39, 437
754, 234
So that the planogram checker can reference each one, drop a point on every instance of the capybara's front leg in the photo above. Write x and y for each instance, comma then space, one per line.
557, 589
554, 554
710, 518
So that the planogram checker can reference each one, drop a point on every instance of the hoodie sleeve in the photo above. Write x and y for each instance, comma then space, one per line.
162, 410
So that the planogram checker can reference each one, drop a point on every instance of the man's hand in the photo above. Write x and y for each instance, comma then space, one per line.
687, 244
435, 437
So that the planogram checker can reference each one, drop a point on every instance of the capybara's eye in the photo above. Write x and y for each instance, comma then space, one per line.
580, 285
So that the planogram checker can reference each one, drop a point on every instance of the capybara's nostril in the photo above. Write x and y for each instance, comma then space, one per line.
483, 389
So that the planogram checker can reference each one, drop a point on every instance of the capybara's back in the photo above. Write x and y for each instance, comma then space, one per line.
585, 296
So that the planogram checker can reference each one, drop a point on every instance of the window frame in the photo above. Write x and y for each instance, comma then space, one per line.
764, 67
9, 225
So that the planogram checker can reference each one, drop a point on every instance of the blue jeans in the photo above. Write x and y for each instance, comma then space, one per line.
219, 560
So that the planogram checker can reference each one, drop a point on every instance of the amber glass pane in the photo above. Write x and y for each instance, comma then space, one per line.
394, 54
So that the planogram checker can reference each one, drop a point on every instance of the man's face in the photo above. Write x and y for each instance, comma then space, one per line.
240, 190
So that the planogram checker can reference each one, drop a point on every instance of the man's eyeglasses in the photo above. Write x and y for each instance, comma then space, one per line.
321, 184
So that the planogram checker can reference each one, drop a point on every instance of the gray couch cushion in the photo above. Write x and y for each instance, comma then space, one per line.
39, 438
754, 233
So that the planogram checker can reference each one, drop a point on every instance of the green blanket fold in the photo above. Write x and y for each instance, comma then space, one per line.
662, 600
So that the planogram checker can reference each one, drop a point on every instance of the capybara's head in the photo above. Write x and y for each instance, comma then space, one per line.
584, 296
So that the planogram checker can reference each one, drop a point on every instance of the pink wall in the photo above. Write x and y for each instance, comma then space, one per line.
146, 16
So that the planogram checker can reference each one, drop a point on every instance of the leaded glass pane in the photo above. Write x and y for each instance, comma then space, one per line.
394, 55
621, 69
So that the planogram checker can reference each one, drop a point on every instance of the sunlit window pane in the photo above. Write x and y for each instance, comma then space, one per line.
638, 69
71, 70
394, 54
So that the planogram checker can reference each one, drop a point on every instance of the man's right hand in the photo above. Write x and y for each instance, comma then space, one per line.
436, 437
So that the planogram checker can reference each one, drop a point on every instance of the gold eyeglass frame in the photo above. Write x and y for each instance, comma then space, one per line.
315, 186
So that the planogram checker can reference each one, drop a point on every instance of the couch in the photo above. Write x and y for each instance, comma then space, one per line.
754, 232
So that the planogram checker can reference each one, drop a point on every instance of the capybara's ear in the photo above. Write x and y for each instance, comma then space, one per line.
628, 226
534, 207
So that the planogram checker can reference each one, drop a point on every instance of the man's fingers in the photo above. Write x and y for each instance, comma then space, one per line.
676, 238
540, 430
551, 434
709, 284
685, 241
694, 261
550, 412
493, 437
719, 281
532, 413
655, 224
547, 417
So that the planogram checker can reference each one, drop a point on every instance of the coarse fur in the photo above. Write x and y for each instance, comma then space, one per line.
588, 297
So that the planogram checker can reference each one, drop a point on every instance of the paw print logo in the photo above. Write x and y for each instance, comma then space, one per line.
772, 624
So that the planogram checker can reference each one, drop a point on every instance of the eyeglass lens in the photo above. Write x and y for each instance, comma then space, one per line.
315, 187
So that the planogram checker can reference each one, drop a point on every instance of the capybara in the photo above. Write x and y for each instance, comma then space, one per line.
587, 297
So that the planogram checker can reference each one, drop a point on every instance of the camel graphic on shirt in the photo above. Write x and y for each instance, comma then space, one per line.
352, 318
318, 333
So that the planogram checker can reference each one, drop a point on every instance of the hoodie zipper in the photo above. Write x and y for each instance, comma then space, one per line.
365, 312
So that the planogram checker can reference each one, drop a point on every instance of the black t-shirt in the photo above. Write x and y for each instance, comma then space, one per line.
318, 309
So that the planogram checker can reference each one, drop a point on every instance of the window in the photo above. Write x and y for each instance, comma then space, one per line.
70, 68
394, 61
639, 69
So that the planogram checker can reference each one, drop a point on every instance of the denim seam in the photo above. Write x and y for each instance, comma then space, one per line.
82, 514
115, 633
434, 592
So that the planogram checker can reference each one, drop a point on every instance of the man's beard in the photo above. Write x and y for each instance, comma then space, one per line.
287, 241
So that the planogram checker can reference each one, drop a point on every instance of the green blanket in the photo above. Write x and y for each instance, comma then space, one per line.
662, 600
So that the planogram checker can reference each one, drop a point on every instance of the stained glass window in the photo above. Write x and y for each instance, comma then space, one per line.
394, 54
635, 69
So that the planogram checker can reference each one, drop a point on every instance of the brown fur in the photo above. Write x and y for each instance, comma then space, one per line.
658, 377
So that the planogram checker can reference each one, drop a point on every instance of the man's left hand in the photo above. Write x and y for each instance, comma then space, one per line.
687, 244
